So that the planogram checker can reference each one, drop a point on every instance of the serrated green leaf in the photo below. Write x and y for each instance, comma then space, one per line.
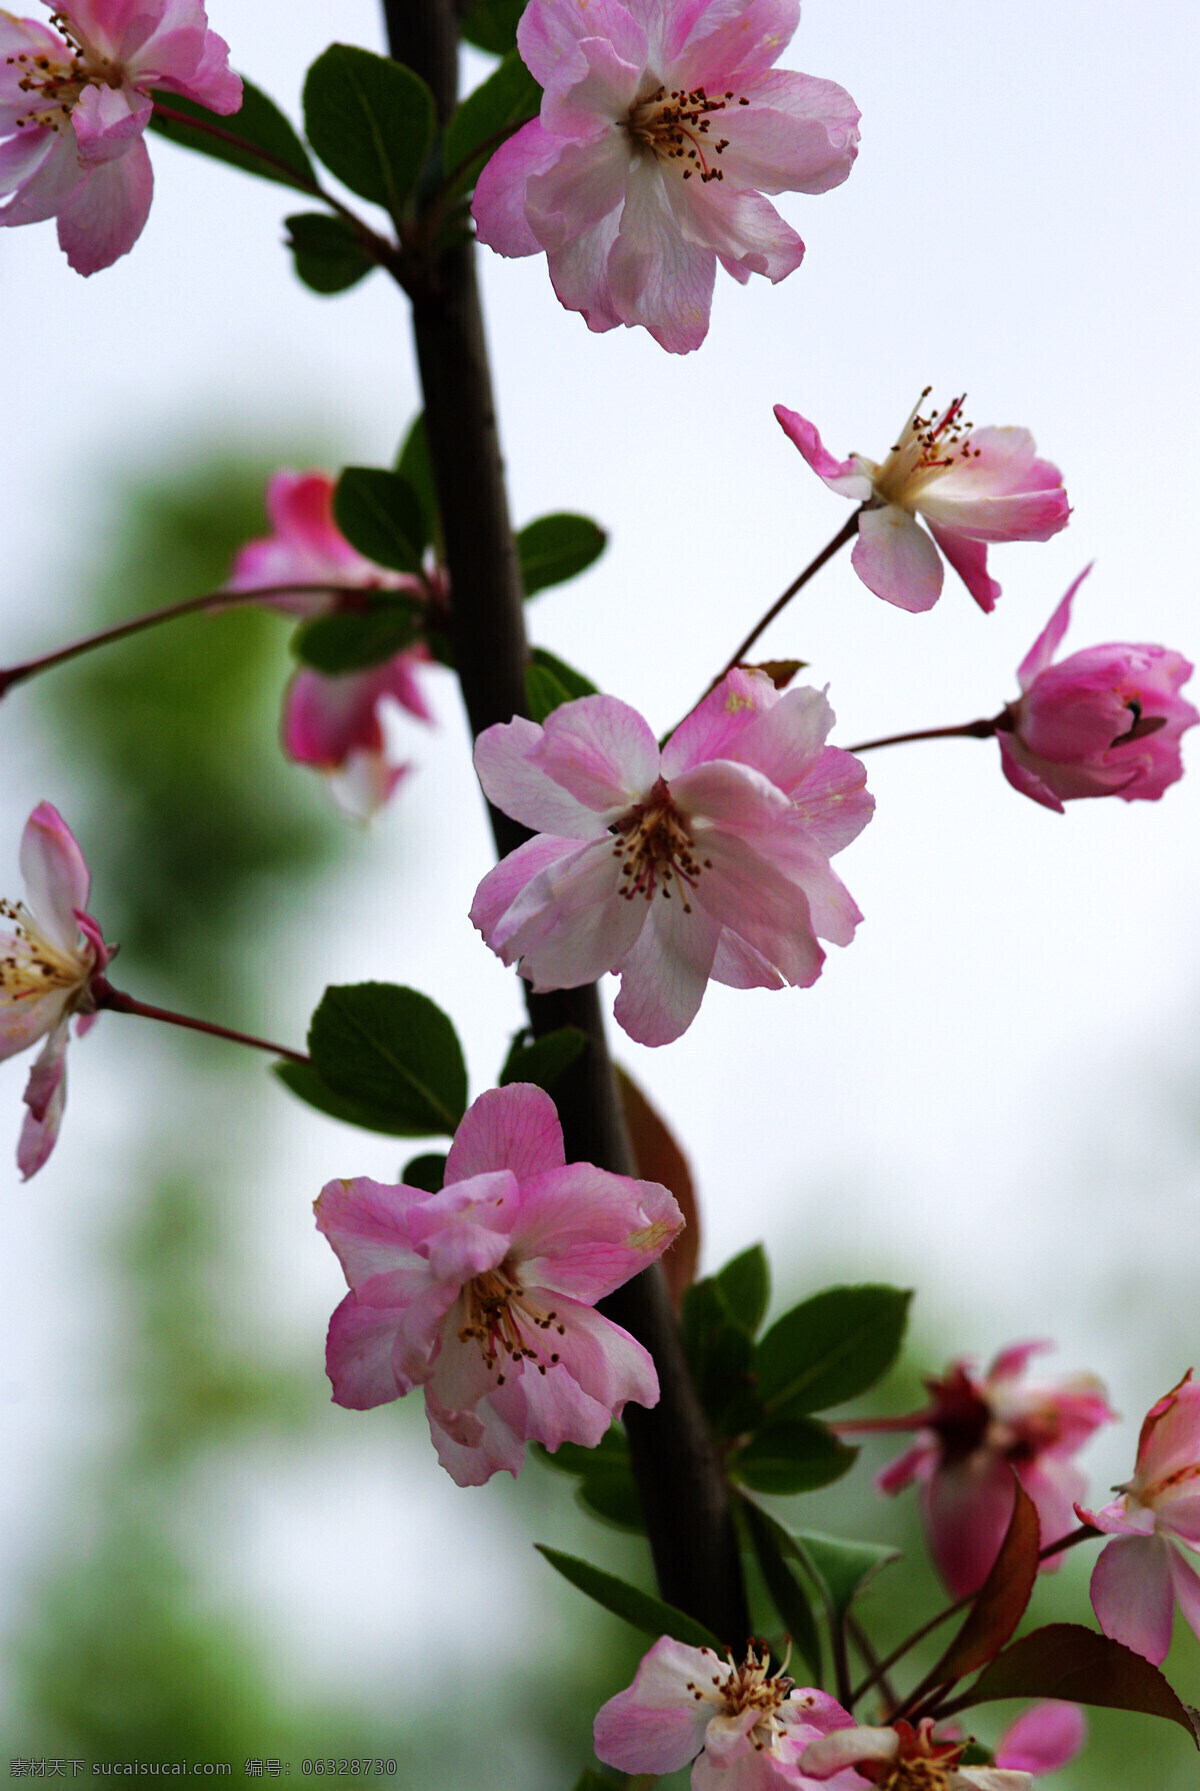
310, 1087
771, 1544
639, 1608
427, 1171
327, 252
830, 1348
415, 467
352, 639
371, 121
507, 99
257, 138
841, 1568
381, 515
556, 548
396, 1050
795, 1456
542, 1060
745, 1284
492, 25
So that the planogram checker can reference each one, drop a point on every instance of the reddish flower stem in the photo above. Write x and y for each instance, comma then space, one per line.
967, 730
847, 533
119, 631
108, 997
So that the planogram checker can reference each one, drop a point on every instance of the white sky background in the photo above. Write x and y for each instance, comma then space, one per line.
987, 1094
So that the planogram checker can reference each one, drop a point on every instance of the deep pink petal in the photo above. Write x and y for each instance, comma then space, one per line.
107, 120
969, 559
45, 1097
583, 1231
1133, 1596
895, 558
56, 877
498, 206
513, 1128
104, 215
484, 1445
358, 1356
1050, 639
967, 1509
1186, 1588
1043, 1738
1023, 777
846, 477
366, 1223
550, 33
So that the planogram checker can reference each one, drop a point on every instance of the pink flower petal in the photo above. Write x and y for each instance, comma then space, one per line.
1133, 1595
1050, 639
967, 1510
55, 875
501, 887
583, 1232
366, 1223
514, 777
798, 135
569, 924
104, 215
663, 975
550, 34
969, 559
45, 1097
494, 1447
514, 1128
358, 1356
498, 206
657, 1725
896, 560
1043, 1738
601, 751
843, 476
656, 278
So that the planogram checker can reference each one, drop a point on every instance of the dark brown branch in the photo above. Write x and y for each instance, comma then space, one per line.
683, 1492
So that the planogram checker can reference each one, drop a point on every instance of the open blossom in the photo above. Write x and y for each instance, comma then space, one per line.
74, 105
663, 124
51, 953
976, 1432
744, 1727
1104, 722
1140, 1576
709, 859
972, 486
484, 1294
335, 724
904, 1759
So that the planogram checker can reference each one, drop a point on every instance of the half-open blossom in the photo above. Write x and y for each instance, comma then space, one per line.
904, 1759
709, 859
744, 1727
74, 105
51, 953
976, 1432
1104, 722
1140, 1576
663, 124
972, 486
485, 1293
335, 724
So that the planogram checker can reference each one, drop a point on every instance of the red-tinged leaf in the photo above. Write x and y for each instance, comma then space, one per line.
1001, 1600
1065, 1660
659, 1159
779, 671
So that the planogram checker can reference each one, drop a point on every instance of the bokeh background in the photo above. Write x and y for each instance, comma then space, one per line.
990, 1096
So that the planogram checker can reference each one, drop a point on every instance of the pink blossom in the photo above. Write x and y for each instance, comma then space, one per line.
709, 859
484, 1294
971, 485
663, 124
1104, 722
1139, 1577
74, 105
1043, 1738
335, 723
972, 1437
744, 1728
904, 1759
50, 959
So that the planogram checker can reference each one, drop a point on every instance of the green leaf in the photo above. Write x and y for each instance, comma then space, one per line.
831, 1348
556, 548
1065, 1660
427, 1171
326, 250
492, 25
381, 515
507, 99
352, 639
258, 138
639, 1608
573, 1458
771, 1544
416, 469
309, 1086
720, 1354
371, 121
792, 1457
841, 1568
550, 682
745, 1284
542, 1060
394, 1049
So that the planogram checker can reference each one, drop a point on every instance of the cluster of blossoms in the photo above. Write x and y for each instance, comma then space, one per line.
336, 724
74, 105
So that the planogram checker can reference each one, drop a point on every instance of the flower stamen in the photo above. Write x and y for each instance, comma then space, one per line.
675, 128
497, 1306
657, 849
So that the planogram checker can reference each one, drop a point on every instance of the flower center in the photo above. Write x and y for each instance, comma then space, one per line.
657, 849
750, 1687
54, 86
927, 448
916, 1775
496, 1308
29, 965
676, 127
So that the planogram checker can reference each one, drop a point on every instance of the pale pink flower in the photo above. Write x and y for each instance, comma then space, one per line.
1104, 722
335, 724
485, 1293
74, 105
1140, 1577
744, 1728
51, 955
905, 1759
972, 486
709, 859
972, 1437
1043, 1738
663, 123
